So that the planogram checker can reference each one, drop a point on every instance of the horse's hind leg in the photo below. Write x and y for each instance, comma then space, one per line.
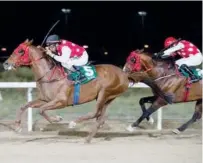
86, 117
197, 115
100, 121
96, 114
142, 102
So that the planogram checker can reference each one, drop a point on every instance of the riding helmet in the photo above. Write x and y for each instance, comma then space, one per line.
53, 39
168, 41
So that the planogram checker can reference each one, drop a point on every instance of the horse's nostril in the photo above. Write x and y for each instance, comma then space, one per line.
5, 65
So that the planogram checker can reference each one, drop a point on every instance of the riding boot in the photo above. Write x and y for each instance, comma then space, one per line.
70, 82
77, 68
189, 71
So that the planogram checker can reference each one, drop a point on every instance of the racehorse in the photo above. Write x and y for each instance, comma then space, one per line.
165, 74
56, 91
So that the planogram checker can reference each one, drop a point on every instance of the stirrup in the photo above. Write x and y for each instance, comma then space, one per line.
77, 68
194, 79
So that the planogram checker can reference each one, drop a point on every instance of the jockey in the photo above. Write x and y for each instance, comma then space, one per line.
190, 54
66, 52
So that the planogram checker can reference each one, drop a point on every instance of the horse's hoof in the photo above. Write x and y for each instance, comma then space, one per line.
72, 124
59, 118
176, 131
151, 121
41, 129
56, 119
18, 129
88, 140
130, 128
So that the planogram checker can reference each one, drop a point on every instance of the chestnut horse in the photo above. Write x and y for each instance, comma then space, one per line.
56, 92
140, 65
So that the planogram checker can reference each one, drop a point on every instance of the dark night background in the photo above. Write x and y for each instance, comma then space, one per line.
103, 26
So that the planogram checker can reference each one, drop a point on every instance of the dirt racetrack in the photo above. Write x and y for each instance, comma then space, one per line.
49, 147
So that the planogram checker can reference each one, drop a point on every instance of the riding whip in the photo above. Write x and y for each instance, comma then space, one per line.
49, 32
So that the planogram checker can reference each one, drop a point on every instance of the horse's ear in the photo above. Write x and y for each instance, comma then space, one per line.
137, 51
30, 42
26, 41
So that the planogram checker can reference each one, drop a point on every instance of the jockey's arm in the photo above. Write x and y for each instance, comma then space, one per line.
171, 50
66, 51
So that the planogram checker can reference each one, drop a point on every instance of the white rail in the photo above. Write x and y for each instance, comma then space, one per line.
31, 85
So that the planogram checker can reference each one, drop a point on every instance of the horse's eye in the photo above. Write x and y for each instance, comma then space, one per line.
133, 60
21, 51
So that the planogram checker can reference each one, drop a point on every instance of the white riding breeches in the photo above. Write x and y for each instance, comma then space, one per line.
192, 60
81, 61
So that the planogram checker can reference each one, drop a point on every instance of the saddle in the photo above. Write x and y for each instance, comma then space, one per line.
193, 74
82, 74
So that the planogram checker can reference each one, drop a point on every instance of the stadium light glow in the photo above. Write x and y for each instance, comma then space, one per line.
66, 10
146, 46
3, 49
85, 46
142, 13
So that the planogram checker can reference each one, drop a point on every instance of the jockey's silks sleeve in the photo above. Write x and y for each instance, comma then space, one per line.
169, 51
65, 56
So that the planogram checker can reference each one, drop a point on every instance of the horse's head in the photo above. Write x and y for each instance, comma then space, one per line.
136, 62
19, 57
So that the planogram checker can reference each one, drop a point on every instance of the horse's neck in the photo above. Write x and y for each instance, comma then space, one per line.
40, 65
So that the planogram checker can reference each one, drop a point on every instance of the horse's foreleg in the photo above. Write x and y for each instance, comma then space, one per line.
197, 115
154, 107
52, 105
32, 104
142, 102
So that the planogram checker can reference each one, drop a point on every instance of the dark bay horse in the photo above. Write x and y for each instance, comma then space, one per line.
140, 65
56, 92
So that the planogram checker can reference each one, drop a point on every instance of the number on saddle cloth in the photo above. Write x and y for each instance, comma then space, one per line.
83, 74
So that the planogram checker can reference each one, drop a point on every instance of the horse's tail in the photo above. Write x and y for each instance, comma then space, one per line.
167, 97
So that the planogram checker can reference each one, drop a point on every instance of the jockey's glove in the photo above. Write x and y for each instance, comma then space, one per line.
48, 52
156, 56
164, 56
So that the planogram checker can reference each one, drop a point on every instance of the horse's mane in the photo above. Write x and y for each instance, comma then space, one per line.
45, 56
155, 62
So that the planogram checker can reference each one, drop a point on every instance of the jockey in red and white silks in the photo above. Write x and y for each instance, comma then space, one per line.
190, 54
66, 52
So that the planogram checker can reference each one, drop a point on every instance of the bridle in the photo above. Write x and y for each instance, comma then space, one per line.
138, 64
27, 54
147, 69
